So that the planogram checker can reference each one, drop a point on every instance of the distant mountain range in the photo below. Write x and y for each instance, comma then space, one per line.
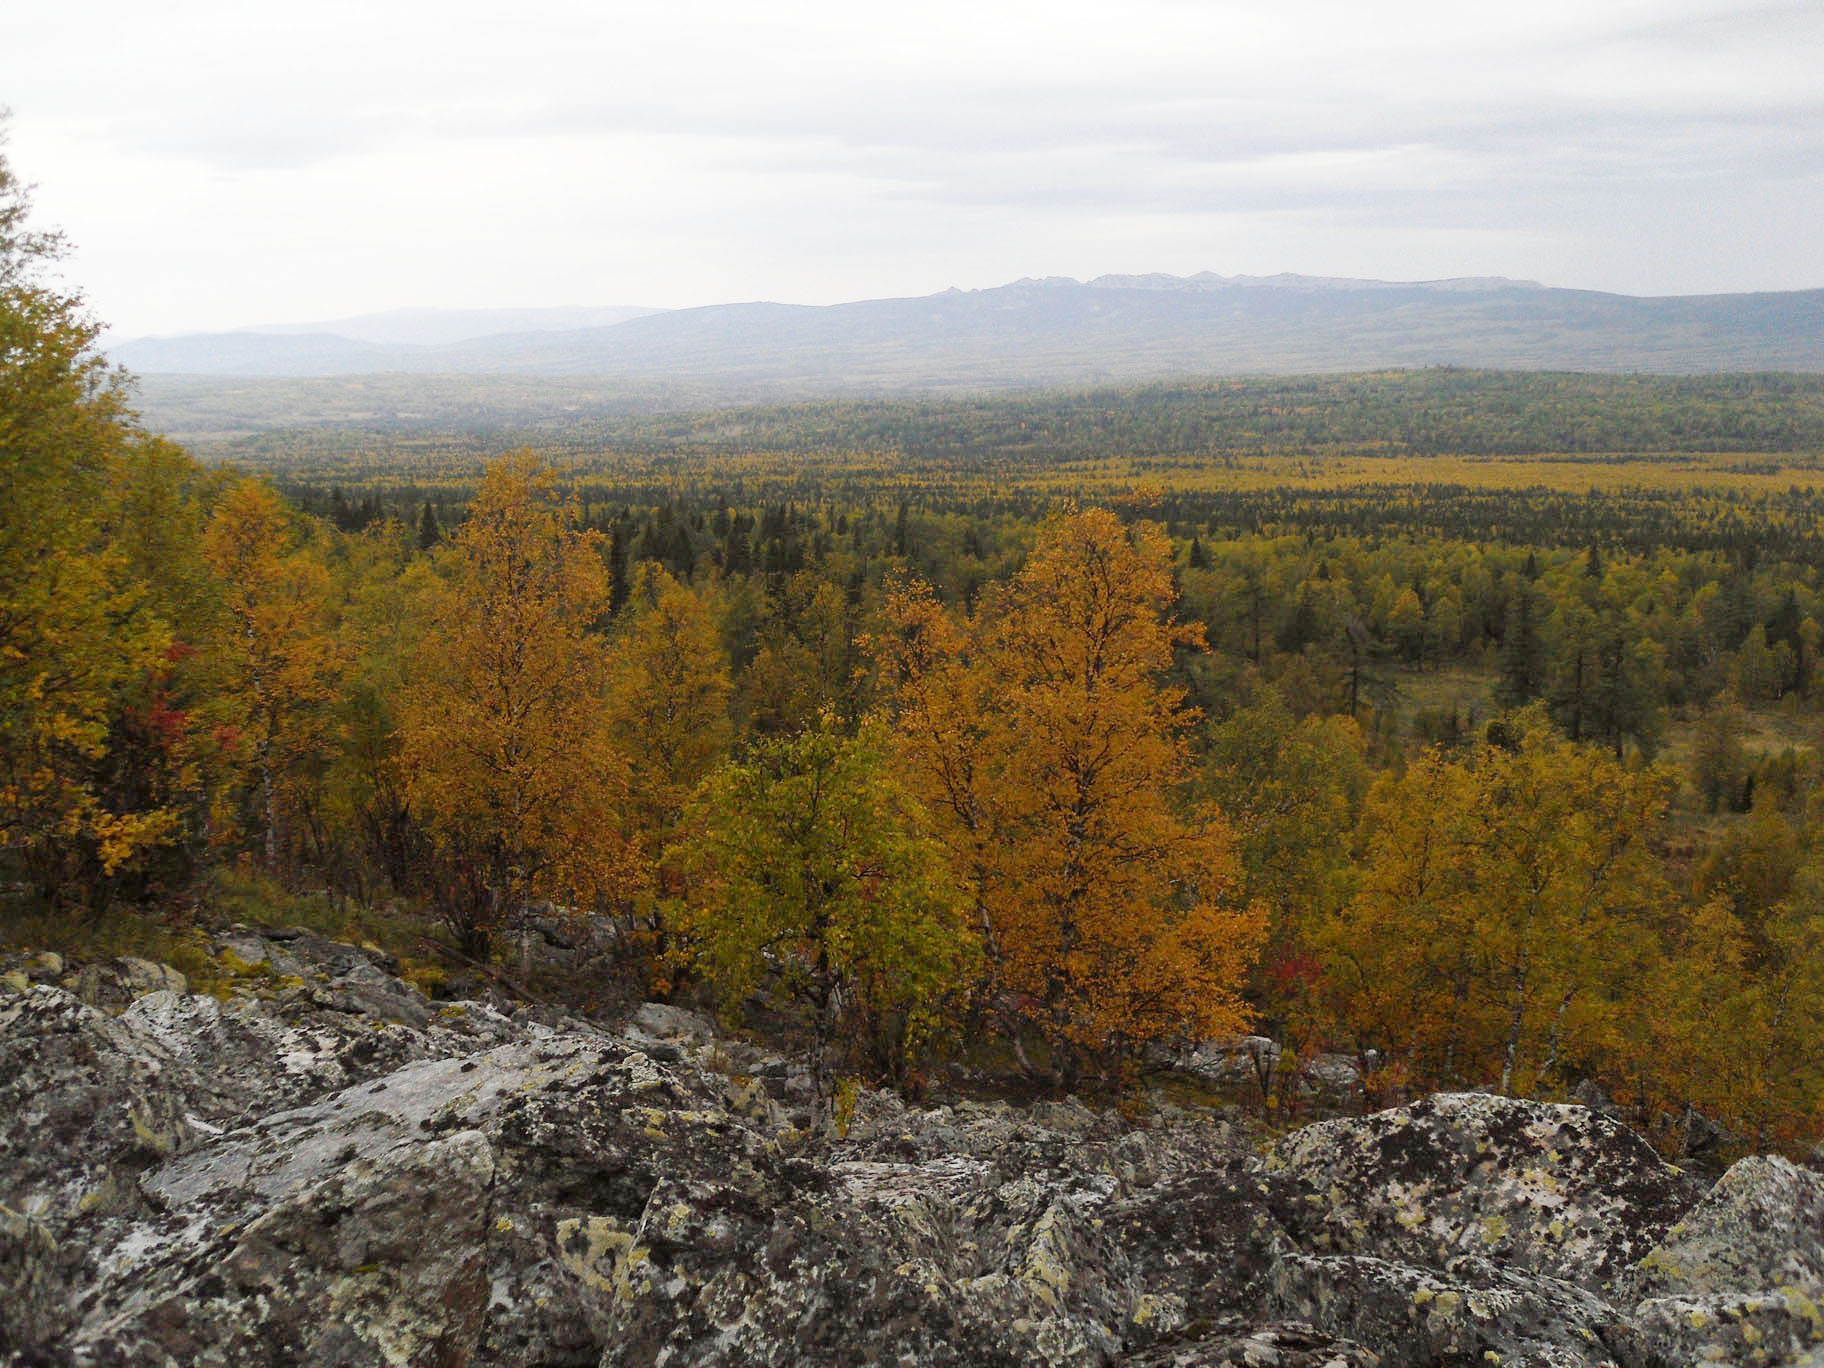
1054, 331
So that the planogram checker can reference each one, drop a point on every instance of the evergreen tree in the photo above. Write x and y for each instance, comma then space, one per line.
429, 533
619, 585
1523, 657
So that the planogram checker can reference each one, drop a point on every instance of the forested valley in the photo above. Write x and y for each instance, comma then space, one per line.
1462, 724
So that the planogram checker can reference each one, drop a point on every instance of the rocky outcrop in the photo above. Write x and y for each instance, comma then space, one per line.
327, 1168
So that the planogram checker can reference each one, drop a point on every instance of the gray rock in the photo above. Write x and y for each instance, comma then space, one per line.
1201, 1247
1290, 1345
142, 976
662, 1021
1761, 1227
1551, 1189
1471, 1313
1740, 1279
112, 984
382, 1260
1335, 1078
1778, 1327
35, 1278
1237, 1061
308, 1174
85, 1106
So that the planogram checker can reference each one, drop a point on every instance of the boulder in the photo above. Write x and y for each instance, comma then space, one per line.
1740, 1279
1240, 1061
1556, 1190
1779, 1327
1290, 1345
86, 1105
662, 1021
1760, 1227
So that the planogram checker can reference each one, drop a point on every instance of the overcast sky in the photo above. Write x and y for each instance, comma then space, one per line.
218, 164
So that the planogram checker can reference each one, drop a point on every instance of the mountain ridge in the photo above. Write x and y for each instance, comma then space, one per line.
1058, 330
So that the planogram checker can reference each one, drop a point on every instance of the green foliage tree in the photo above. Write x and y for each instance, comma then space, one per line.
809, 877
1719, 761
1758, 675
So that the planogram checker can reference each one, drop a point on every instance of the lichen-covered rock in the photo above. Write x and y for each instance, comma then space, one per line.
1775, 1327
1240, 1060
382, 1260
662, 1021
1740, 1279
36, 1275
310, 1173
1760, 1227
247, 1057
1468, 1313
85, 1106
1201, 1247
1290, 1345
1556, 1190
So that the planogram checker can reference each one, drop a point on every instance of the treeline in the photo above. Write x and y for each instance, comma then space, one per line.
1396, 413
1745, 524
1051, 789
1613, 643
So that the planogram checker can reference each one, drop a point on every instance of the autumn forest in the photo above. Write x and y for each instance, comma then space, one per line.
1460, 723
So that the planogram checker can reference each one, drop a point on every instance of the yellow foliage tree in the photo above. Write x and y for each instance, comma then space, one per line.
1040, 733
276, 644
75, 636
1509, 899
668, 692
507, 748
1728, 1021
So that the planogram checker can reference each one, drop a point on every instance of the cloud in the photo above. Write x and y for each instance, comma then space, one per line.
710, 149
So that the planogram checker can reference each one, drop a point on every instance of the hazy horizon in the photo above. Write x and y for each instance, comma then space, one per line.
220, 168
367, 326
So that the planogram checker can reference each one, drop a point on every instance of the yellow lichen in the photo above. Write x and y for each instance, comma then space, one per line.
600, 1239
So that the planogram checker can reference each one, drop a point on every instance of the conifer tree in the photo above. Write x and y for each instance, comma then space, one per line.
1523, 650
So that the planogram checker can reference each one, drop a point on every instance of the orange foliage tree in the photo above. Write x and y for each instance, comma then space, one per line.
506, 739
1040, 734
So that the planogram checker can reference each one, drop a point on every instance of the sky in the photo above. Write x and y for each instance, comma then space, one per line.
225, 164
